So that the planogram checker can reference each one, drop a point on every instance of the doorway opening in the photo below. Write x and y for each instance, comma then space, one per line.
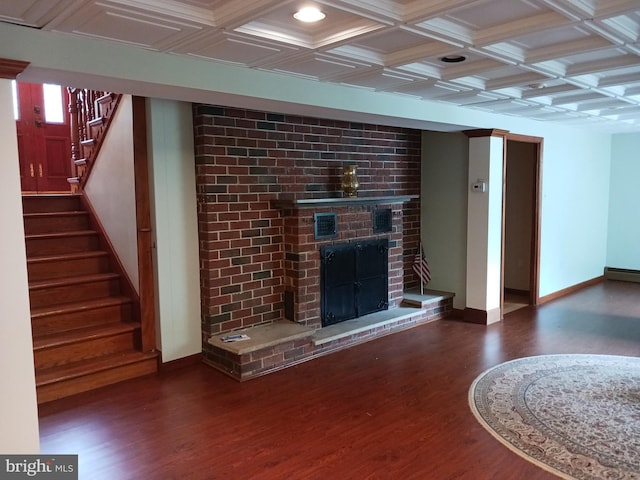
521, 222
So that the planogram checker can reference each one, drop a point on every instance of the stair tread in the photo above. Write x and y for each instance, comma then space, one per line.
67, 256
80, 334
61, 213
72, 280
72, 370
71, 233
45, 202
79, 306
43, 196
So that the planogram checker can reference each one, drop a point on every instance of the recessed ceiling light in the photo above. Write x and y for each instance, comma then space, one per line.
453, 59
309, 15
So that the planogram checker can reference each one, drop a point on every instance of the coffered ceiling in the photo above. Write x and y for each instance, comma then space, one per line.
569, 61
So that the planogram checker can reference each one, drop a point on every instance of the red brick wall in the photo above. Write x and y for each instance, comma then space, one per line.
246, 159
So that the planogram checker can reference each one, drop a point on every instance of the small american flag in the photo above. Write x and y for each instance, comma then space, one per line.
421, 266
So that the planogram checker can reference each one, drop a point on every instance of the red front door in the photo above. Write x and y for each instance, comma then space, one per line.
44, 138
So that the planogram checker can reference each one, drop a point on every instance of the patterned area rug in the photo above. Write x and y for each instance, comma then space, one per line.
577, 416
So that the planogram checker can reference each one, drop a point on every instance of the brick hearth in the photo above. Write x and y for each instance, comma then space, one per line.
272, 347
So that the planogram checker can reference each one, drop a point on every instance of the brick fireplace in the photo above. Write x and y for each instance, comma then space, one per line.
302, 279
261, 179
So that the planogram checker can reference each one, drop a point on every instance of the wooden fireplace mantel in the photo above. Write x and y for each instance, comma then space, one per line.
342, 202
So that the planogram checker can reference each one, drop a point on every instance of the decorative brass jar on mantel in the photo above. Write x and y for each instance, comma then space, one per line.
350, 181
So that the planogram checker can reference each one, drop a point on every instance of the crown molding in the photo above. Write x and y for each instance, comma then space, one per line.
10, 69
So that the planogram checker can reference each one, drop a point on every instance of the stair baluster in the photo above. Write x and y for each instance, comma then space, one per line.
91, 112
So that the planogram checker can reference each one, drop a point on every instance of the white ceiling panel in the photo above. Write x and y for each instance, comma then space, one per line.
126, 25
576, 61
235, 49
279, 24
483, 15
380, 79
33, 13
319, 67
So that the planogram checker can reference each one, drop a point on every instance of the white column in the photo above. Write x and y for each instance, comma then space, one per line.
18, 404
484, 227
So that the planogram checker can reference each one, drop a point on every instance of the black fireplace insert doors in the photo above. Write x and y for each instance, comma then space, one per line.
354, 280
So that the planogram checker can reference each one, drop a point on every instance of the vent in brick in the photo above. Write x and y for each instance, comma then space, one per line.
289, 307
382, 220
325, 225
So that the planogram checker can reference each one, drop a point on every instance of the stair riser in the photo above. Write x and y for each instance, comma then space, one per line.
65, 388
85, 350
73, 293
42, 204
61, 268
66, 223
52, 246
86, 318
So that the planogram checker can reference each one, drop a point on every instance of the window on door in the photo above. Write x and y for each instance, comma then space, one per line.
53, 102
16, 108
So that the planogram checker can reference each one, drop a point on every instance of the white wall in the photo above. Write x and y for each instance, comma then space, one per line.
443, 209
111, 189
175, 227
575, 198
18, 405
575, 195
623, 247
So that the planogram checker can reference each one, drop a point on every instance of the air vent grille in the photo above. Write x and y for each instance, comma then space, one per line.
325, 225
382, 221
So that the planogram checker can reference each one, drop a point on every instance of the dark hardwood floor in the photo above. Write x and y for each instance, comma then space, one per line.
393, 408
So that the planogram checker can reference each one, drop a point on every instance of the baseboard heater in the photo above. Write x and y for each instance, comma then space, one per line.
622, 274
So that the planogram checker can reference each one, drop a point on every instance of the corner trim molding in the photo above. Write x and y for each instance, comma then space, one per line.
10, 69
474, 315
183, 362
482, 317
486, 132
571, 289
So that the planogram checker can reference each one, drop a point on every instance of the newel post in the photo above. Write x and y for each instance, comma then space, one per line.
74, 124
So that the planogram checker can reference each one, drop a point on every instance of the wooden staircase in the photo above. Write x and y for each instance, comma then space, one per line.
85, 331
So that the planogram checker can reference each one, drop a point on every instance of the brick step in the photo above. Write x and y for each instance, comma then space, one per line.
57, 266
50, 222
425, 299
69, 316
50, 203
58, 291
59, 348
72, 378
65, 242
